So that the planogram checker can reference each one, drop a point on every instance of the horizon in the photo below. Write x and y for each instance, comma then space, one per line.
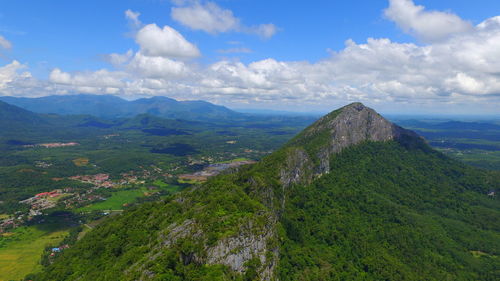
397, 56
263, 111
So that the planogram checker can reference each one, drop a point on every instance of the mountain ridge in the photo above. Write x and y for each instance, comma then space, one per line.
384, 206
108, 106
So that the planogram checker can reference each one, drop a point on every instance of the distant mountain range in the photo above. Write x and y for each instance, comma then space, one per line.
107, 106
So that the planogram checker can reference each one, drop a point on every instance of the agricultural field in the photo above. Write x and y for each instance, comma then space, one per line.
117, 201
21, 249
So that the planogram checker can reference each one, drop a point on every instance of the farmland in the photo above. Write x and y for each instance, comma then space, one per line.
21, 249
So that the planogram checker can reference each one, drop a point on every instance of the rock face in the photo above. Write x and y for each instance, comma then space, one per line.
306, 157
297, 167
237, 251
357, 123
350, 125
251, 243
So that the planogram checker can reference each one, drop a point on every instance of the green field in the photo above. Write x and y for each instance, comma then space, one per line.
167, 187
234, 160
20, 251
116, 201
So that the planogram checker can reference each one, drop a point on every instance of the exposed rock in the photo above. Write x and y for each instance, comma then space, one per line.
306, 158
236, 251
297, 168
348, 126
252, 241
175, 232
357, 123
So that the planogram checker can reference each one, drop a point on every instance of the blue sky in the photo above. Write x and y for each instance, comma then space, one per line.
286, 55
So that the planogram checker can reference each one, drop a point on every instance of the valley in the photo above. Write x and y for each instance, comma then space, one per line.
89, 168
209, 140
66, 177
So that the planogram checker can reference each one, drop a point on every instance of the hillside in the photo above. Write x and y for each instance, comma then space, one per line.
12, 115
352, 197
107, 106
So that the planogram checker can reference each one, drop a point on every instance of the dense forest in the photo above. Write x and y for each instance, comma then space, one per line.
385, 211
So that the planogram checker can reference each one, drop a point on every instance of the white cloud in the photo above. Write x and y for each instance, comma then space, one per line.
459, 70
156, 67
241, 50
10, 72
98, 80
166, 42
265, 30
4, 43
429, 26
120, 59
211, 18
14, 81
133, 18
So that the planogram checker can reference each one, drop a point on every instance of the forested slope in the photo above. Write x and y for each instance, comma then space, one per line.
353, 197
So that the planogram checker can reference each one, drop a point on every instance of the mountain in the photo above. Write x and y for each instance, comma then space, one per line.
352, 197
107, 106
10, 114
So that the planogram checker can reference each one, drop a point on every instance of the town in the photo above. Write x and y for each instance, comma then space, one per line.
71, 198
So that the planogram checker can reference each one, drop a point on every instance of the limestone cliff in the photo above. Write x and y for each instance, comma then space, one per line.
347, 126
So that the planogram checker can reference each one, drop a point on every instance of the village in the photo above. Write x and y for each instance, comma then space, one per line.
70, 198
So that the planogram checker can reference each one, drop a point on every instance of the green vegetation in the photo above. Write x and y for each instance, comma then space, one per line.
474, 143
117, 201
395, 210
20, 250
388, 213
112, 249
233, 160
384, 212
148, 141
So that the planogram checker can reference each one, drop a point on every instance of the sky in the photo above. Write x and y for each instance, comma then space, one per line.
398, 56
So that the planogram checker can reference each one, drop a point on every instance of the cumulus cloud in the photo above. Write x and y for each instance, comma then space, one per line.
101, 81
462, 69
165, 42
156, 67
15, 81
211, 18
429, 26
4, 43
10, 72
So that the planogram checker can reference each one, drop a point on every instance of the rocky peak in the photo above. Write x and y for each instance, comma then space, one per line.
357, 123
350, 125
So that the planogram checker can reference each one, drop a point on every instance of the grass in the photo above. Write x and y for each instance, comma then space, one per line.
20, 253
4, 216
233, 160
80, 162
189, 181
116, 202
160, 184
168, 187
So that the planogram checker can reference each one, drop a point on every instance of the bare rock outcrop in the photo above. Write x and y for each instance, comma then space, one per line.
348, 126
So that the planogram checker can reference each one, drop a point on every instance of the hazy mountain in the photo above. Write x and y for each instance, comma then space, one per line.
107, 106
352, 197
10, 115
